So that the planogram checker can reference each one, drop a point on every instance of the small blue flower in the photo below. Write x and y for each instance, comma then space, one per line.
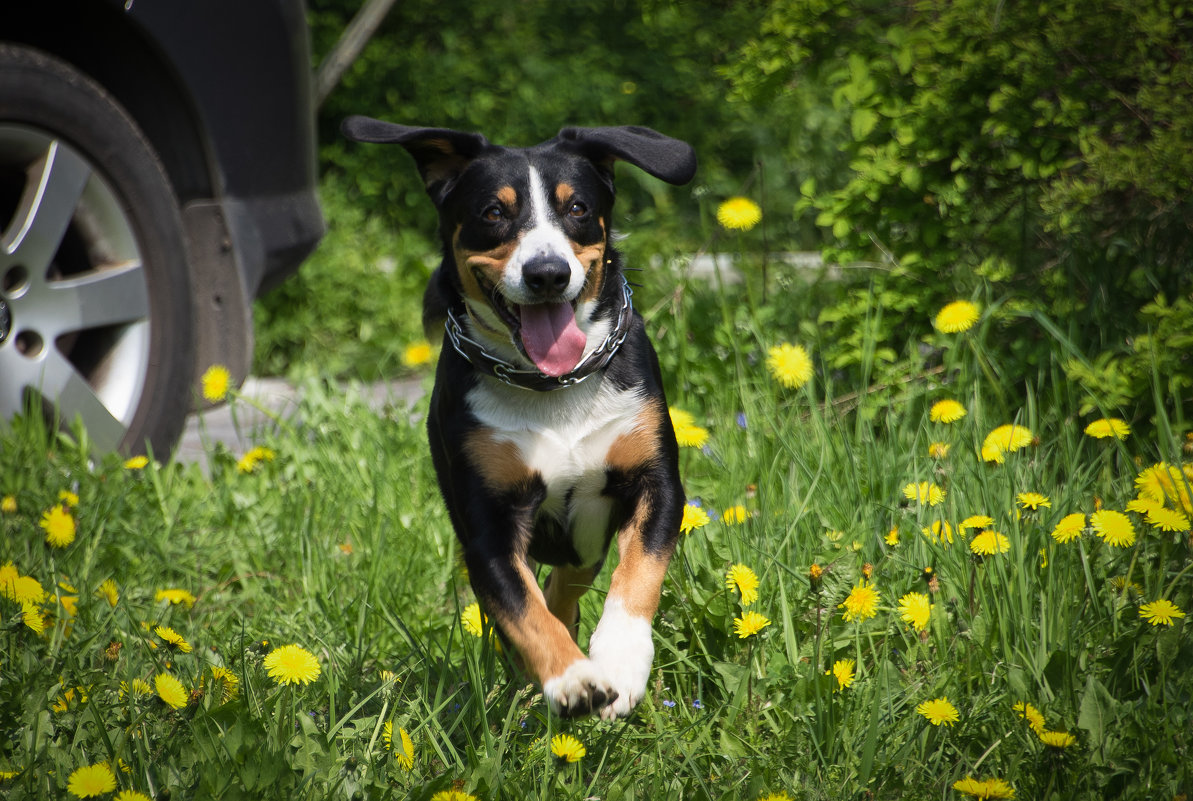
741, 420
697, 705
669, 704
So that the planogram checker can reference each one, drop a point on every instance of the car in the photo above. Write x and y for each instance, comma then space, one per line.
157, 173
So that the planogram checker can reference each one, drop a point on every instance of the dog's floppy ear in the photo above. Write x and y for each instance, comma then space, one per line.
665, 158
440, 153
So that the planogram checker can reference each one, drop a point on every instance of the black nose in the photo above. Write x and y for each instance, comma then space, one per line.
546, 274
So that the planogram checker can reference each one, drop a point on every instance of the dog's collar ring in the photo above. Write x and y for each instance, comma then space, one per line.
476, 355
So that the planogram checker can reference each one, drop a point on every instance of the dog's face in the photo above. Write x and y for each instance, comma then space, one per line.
527, 231
527, 228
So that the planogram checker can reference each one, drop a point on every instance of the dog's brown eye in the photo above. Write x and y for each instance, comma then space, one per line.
493, 214
577, 209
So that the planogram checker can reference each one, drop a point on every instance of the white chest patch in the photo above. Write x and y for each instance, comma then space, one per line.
565, 437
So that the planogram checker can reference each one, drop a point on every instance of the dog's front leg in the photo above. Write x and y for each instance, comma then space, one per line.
572, 684
621, 644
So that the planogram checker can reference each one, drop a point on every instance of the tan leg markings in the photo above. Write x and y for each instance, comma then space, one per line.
565, 586
544, 642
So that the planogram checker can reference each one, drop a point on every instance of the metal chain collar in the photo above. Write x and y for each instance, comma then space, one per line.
487, 363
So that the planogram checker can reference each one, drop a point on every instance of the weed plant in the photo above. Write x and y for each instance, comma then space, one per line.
898, 645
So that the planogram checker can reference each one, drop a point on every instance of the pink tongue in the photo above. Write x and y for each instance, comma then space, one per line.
551, 337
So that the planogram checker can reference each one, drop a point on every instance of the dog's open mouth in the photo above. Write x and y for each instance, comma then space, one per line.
545, 332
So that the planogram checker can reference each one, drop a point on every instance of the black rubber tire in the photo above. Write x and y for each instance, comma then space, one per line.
45, 93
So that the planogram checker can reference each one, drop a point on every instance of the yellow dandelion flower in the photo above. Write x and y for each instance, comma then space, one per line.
22, 589
735, 515
224, 684
136, 463
749, 624
939, 711
924, 492
32, 617
567, 747
173, 639
1144, 506
739, 214
790, 365
1056, 739
416, 354
130, 795
91, 781
1166, 483
1033, 716
946, 411
175, 596
842, 670
109, 592
940, 531
989, 542
170, 690
693, 518
8, 505
472, 620
1069, 528
1160, 613
984, 788
1006, 439
861, 603
687, 433
1113, 527
136, 689
1033, 500
939, 450
915, 609
745, 581
892, 537
957, 316
292, 664
59, 527
1108, 427
404, 753
453, 795
249, 462
216, 381
975, 521
1167, 519
68, 498
780, 796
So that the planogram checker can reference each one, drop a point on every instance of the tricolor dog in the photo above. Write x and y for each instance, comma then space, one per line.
548, 426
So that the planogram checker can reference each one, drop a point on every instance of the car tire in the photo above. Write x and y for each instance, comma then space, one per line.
96, 318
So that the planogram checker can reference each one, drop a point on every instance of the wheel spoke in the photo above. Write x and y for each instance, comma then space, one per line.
75, 398
56, 182
96, 299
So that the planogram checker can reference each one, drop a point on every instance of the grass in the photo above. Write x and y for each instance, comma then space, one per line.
340, 544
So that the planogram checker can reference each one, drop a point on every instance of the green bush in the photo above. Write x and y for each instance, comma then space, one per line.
1044, 149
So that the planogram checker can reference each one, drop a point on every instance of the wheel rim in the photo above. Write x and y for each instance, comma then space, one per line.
74, 286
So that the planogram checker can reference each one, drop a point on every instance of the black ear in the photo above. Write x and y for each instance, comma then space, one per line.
440, 153
665, 158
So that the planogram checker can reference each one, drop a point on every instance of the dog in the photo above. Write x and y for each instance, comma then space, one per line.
548, 426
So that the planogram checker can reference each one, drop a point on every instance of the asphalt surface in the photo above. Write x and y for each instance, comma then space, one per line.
205, 429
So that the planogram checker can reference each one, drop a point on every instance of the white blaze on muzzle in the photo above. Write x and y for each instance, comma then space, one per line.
550, 335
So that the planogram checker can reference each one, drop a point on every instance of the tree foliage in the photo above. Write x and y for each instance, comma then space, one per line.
1044, 150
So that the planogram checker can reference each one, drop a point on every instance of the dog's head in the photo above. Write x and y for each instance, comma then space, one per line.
527, 229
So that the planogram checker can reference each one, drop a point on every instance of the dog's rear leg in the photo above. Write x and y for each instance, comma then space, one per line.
563, 590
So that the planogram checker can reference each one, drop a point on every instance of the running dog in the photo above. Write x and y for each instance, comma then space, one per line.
548, 426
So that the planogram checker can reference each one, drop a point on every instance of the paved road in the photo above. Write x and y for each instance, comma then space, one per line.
216, 425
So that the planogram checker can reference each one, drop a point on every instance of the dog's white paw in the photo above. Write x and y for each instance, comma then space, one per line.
582, 688
622, 647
